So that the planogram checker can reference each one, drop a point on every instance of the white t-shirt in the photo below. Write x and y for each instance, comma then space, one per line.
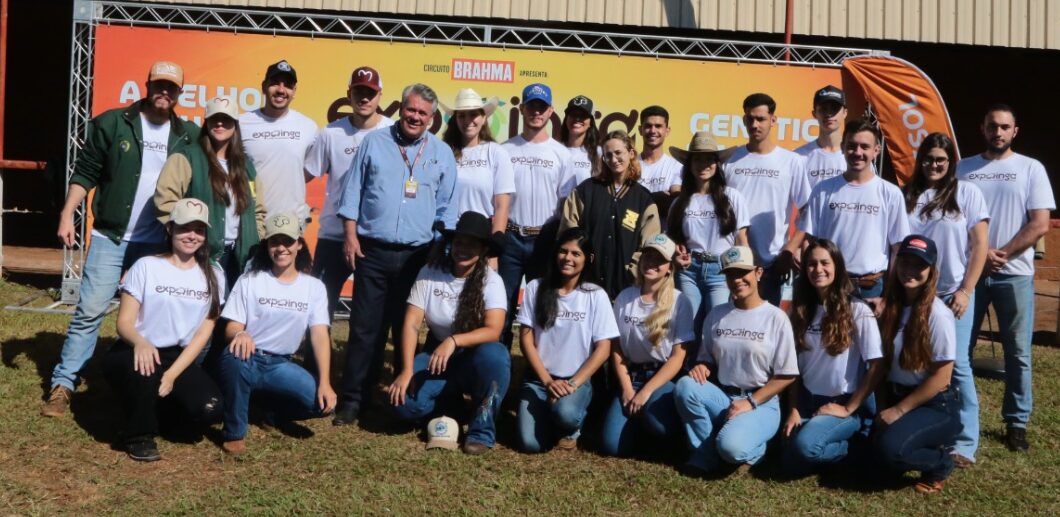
821, 164
584, 317
772, 184
864, 220
703, 228
231, 216
834, 375
482, 172
662, 175
582, 166
173, 301
1011, 187
143, 223
543, 176
437, 292
276, 314
747, 347
631, 313
331, 154
943, 337
950, 232
279, 148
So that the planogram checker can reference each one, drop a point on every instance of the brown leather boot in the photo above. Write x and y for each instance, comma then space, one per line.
58, 402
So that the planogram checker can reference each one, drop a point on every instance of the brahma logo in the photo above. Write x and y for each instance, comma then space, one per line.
483, 70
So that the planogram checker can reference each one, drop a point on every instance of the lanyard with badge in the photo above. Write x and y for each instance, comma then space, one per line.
411, 186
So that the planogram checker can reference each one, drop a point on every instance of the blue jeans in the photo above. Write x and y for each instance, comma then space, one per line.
918, 440
821, 439
1013, 300
523, 255
102, 271
704, 285
658, 419
702, 408
968, 439
482, 371
539, 422
292, 390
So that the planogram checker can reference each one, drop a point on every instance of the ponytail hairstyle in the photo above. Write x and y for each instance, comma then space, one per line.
945, 199
236, 178
455, 137
591, 144
202, 258
546, 303
633, 175
262, 261
471, 305
658, 322
689, 186
837, 323
916, 342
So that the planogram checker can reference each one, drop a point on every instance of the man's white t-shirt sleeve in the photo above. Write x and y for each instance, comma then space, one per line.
899, 223
1041, 195
604, 324
800, 183
316, 161
739, 207
504, 174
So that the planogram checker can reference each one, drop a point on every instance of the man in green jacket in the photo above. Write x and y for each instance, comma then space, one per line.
123, 155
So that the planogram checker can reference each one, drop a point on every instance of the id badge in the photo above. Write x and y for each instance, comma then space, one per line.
411, 188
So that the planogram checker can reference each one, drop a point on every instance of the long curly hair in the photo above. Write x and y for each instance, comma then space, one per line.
471, 305
945, 199
202, 258
837, 323
916, 341
716, 188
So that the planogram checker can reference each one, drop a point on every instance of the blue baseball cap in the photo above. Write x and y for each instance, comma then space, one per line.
537, 92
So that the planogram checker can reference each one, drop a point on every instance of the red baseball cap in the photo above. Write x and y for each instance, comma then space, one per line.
366, 76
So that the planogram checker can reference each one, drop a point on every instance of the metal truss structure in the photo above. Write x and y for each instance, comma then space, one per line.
90, 13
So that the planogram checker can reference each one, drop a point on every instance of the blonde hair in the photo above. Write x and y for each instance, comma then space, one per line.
658, 322
633, 173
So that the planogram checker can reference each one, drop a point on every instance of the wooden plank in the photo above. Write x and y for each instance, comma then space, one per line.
837, 18
874, 19
929, 21
707, 18
999, 20
856, 23
981, 25
38, 261
1036, 28
819, 17
763, 15
1052, 22
727, 15
947, 21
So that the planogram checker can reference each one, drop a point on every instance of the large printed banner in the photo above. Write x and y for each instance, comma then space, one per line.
699, 95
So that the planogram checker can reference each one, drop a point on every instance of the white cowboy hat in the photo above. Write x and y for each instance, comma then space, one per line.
468, 99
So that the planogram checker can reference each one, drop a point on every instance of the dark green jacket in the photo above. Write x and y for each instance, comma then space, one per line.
187, 174
110, 163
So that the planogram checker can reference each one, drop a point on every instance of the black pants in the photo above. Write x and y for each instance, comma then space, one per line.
329, 265
195, 396
381, 285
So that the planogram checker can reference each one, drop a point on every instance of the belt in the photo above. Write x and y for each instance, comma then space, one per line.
642, 367
393, 246
705, 257
734, 391
258, 351
524, 231
867, 280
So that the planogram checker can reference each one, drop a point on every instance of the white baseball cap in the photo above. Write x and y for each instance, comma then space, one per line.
283, 224
443, 432
222, 105
189, 210
662, 244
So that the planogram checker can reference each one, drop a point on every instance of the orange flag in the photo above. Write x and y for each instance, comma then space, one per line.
905, 101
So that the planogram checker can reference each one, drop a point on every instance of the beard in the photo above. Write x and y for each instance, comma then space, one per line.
1000, 149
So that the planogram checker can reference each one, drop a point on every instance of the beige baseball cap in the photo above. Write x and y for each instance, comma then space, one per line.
189, 210
283, 224
222, 105
443, 433
738, 257
166, 71
663, 244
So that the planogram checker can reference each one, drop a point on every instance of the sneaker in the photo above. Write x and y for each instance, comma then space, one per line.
143, 450
567, 444
345, 416
475, 449
929, 487
235, 447
58, 402
1016, 439
961, 461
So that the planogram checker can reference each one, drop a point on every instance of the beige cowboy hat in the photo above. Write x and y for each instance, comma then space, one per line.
468, 99
702, 142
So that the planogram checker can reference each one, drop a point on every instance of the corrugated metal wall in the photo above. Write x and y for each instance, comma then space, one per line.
1005, 23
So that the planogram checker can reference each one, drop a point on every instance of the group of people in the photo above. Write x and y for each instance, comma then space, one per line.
653, 281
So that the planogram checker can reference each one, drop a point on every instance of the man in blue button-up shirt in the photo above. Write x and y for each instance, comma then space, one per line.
397, 193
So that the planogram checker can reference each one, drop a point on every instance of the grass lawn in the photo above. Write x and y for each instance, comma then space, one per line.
67, 465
